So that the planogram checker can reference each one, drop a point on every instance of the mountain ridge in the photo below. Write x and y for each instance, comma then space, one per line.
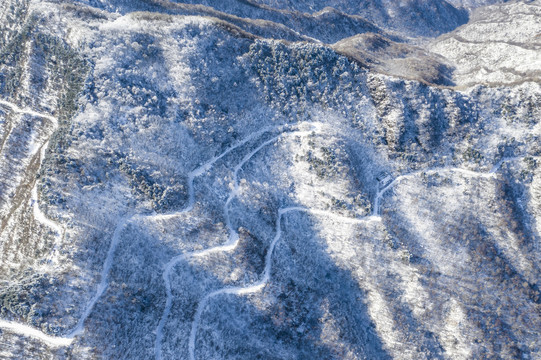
194, 186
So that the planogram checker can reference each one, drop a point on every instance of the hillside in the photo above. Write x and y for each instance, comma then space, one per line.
270, 180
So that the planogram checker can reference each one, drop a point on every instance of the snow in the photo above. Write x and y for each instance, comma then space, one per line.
19, 110
337, 210
233, 240
265, 276
31, 332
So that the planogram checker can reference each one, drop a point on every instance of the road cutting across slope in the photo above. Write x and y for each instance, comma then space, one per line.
229, 245
489, 174
20, 110
265, 277
66, 340
38, 214
25, 330
11, 326
200, 170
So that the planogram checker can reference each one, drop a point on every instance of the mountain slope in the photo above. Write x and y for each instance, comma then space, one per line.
485, 51
193, 186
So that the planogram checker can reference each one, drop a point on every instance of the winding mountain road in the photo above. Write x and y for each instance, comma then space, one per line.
20, 110
38, 214
227, 246
103, 284
265, 277
28, 331
398, 179
230, 244
257, 286
12, 326
200, 170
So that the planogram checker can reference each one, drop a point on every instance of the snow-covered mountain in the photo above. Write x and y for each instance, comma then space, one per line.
270, 179
486, 51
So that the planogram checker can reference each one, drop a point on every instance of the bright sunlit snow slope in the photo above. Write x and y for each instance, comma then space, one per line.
269, 180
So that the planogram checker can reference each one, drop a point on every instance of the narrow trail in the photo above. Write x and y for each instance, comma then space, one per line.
104, 276
38, 214
200, 170
11, 326
229, 245
19, 110
257, 286
28, 331
489, 174
265, 277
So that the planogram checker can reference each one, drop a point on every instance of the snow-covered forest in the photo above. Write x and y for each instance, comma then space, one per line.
270, 179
